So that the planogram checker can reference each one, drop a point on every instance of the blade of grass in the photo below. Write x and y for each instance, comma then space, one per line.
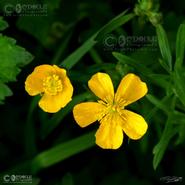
180, 45
61, 50
30, 146
113, 24
74, 58
158, 103
168, 133
62, 151
179, 78
161, 147
164, 48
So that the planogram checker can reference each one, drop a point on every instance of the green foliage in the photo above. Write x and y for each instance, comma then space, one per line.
166, 62
12, 58
3, 24
161, 147
62, 151
180, 45
114, 23
52, 147
5, 91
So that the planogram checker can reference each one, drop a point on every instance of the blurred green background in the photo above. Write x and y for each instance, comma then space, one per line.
87, 36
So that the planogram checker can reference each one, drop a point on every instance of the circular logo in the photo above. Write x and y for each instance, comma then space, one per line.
110, 41
9, 8
6, 178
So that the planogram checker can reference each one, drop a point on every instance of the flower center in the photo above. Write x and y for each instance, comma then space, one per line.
52, 84
114, 108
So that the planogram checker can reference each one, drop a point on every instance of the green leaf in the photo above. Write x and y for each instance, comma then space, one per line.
114, 24
161, 147
169, 131
62, 152
3, 24
67, 179
5, 91
179, 80
158, 103
180, 45
131, 62
181, 133
161, 80
72, 59
164, 47
12, 58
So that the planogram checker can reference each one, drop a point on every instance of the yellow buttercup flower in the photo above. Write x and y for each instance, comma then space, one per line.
110, 110
53, 85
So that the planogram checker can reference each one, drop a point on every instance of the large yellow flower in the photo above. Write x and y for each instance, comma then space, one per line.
53, 84
110, 110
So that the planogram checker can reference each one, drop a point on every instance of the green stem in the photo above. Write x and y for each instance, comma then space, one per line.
96, 57
61, 49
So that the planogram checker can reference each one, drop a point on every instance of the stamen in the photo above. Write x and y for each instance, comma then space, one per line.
52, 84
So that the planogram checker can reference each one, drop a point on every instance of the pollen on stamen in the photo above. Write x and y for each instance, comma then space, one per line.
52, 84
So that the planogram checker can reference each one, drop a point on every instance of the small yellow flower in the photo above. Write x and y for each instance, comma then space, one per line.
53, 84
110, 110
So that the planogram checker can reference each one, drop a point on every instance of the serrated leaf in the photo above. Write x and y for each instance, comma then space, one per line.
3, 24
12, 58
4, 91
164, 47
180, 45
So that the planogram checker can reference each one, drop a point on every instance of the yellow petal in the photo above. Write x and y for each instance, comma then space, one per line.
51, 104
101, 85
130, 89
87, 113
60, 71
133, 124
66, 95
34, 82
109, 134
